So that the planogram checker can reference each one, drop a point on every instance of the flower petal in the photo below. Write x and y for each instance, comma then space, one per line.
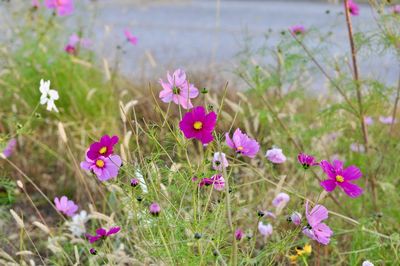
350, 189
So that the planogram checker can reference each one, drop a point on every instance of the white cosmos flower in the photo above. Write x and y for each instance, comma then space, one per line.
77, 224
48, 96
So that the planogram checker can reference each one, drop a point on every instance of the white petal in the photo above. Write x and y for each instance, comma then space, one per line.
43, 100
53, 94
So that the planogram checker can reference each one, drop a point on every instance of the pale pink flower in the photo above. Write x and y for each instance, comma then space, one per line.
281, 200
388, 120
178, 89
242, 144
219, 161
295, 218
9, 148
275, 155
65, 206
265, 229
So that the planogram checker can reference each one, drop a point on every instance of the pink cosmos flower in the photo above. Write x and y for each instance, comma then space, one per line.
396, 9
388, 120
306, 160
75, 41
357, 147
102, 233
10, 147
65, 206
341, 177
130, 37
63, 7
242, 144
104, 147
276, 156
178, 89
281, 200
315, 229
198, 124
155, 209
367, 263
239, 234
295, 218
217, 181
35, 3
353, 8
104, 168
265, 229
297, 29
219, 161
368, 120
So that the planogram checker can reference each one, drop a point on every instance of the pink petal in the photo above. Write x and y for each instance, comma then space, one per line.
329, 184
229, 141
351, 173
350, 189
317, 214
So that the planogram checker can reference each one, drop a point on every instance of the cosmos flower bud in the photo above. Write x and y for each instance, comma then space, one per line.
295, 218
134, 182
154, 209
239, 234
93, 251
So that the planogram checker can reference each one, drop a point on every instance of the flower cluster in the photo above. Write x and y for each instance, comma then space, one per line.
100, 159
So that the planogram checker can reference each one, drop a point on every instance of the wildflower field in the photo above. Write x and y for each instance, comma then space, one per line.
97, 168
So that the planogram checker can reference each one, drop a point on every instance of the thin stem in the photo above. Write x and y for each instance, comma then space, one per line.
396, 103
356, 75
333, 82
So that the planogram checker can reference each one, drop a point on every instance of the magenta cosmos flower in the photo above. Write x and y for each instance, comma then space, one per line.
341, 177
104, 147
217, 181
242, 144
297, 29
219, 161
316, 229
102, 233
353, 8
154, 209
130, 37
74, 42
104, 168
65, 206
198, 124
178, 89
63, 7
306, 160
9, 148
275, 155
239, 234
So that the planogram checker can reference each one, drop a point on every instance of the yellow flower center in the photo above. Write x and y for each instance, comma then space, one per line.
197, 125
240, 148
100, 163
103, 150
339, 178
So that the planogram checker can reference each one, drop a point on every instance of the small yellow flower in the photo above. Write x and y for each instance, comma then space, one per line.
293, 259
307, 249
